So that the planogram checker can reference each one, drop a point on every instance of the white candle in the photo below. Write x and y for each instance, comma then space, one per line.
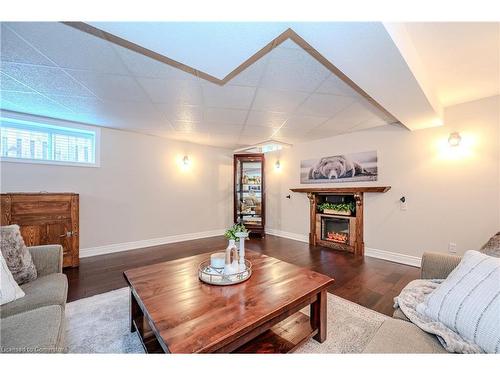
217, 260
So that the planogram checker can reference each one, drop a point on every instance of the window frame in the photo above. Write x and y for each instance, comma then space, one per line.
48, 123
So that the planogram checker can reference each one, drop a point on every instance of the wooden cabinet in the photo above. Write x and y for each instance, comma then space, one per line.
249, 193
45, 219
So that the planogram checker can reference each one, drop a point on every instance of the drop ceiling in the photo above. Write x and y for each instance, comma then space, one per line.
51, 69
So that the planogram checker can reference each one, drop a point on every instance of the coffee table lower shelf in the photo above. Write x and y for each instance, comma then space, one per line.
284, 337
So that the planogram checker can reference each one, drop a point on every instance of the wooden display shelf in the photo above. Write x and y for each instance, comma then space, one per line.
343, 190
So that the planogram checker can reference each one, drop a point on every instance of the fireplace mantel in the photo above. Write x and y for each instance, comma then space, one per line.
343, 190
317, 195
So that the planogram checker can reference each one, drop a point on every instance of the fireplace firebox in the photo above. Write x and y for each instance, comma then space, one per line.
335, 229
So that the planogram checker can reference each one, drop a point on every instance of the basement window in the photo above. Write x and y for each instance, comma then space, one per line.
35, 142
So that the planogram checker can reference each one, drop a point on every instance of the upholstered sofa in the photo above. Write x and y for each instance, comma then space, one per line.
35, 322
399, 335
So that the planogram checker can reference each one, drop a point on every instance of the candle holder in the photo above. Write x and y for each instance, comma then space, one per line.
242, 236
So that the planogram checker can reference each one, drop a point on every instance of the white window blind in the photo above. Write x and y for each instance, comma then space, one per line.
30, 141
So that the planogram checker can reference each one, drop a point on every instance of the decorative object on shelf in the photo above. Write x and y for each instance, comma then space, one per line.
361, 166
344, 209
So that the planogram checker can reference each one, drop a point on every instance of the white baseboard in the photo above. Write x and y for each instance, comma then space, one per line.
125, 246
409, 260
289, 235
370, 252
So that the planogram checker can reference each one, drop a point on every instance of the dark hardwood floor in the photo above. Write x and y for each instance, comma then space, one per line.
367, 281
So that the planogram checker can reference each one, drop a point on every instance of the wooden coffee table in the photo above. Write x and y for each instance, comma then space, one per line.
174, 312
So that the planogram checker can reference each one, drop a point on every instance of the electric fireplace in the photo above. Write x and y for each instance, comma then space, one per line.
335, 229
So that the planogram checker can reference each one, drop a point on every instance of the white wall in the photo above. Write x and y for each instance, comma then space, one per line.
139, 192
451, 197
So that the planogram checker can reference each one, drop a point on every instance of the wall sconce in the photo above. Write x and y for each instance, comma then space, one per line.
277, 165
185, 161
454, 139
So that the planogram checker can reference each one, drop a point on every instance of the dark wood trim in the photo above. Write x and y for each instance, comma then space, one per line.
343, 190
287, 34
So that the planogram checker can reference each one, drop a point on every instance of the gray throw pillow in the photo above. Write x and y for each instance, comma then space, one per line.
492, 247
17, 255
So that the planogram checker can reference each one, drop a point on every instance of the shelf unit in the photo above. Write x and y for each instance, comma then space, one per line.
249, 192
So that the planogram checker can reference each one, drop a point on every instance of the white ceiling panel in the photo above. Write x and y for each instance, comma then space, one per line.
7, 83
293, 69
110, 86
141, 66
269, 119
324, 105
335, 86
228, 96
252, 75
304, 122
70, 48
286, 94
46, 80
162, 90
278, 100
14, 49
224, 116
184, 113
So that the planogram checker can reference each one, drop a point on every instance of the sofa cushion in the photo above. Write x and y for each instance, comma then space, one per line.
398, 336
35, 331
44, 291
9, 290
16, 254
492, 247
468, 302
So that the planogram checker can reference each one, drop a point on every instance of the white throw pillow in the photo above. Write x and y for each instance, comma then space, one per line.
468, 301
9, 290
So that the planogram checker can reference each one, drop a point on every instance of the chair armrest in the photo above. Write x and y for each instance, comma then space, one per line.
438, 265
47, 258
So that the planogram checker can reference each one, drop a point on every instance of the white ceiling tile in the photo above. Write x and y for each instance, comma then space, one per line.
269, 119
33, 103
14, 49
224, 116
110, 86
183, 113
228, 96
324, 105
293, 69
354, 114
143, 66
7, 83
251, 76
79, 104
71, 48
263, 132
277, 100
46, 80
230, 130
335, 86
304, 122
162, 90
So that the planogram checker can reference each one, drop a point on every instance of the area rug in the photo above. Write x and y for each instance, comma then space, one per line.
100, 324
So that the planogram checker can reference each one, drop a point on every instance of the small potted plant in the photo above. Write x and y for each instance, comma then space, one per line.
345, 209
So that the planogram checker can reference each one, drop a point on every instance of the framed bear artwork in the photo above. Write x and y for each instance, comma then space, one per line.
361, 166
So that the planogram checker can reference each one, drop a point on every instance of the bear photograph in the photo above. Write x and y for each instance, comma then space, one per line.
361, 166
